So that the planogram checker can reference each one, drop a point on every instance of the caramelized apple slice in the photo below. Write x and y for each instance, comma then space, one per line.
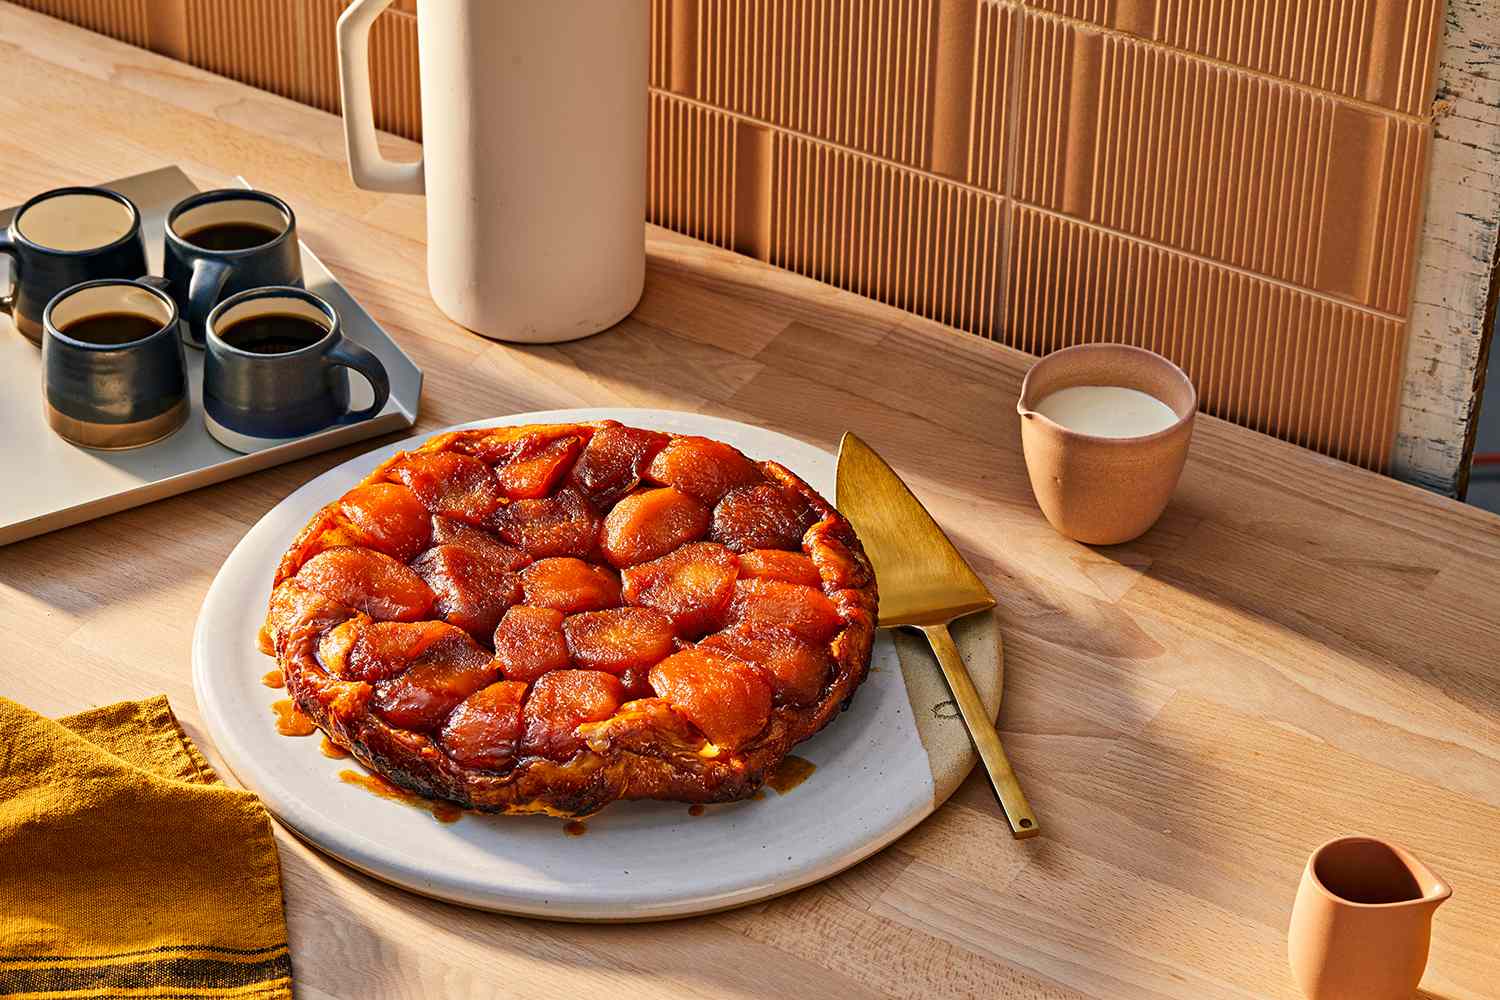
485, 730
445, 674
497, 445
372, 651
776, 564
483, 544
570, 585
368, 581
619, 639
723, 697
763, 605
613, 462
797, 671
390, 517
529, 642
537, 465
295, 610
702, 468
562, 700
471, 593
652, 523
761, 517
692, 586
564, 524
450, 484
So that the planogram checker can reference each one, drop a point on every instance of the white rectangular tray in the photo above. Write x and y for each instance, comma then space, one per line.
46, 483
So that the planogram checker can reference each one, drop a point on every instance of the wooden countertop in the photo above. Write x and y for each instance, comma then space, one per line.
1298, 650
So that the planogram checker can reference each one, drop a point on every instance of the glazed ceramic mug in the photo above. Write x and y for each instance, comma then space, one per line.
63, 237
1104, 490
1362, 922
275, 369
113, 370
219, 243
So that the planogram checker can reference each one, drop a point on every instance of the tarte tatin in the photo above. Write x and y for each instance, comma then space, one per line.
547, 618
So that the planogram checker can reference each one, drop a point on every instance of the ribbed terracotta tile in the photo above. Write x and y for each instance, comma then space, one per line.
1381, 51
691, 168
1298, 366
889, 233
859, 73
126, 20
251, 40
1265, 176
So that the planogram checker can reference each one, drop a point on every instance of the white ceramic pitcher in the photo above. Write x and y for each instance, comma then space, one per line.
533, 157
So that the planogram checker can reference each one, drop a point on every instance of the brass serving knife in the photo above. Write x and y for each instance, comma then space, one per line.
925, 584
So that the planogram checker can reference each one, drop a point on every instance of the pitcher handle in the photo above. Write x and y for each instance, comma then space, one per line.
367, 167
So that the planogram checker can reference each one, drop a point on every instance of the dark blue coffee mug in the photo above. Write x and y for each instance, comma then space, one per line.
274, 369
63, 237
219, 243
114, 376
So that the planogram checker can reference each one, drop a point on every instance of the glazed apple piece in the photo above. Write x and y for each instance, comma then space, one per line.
529, 643
537, 465
498, 445
482, 543
652, 523
446, 673
778, 564
564, 524
485, 730
613, 462
837, 565
723, 697
692, 586
760, 517
797, 671
702, 468
295, 611
560, 702
365, 650
570, 585
368, 581
763, 605
450, 484
390, 517
636, 681
619, 639
471, 593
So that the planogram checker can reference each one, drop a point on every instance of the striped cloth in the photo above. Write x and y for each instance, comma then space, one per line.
127, 869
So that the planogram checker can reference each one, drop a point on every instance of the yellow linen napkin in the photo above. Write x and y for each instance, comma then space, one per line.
126, 868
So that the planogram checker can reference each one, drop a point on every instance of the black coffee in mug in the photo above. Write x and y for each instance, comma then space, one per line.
272, 333
112, 328
231, 236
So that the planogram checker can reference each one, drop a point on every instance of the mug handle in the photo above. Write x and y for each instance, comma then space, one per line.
204, 287
367, 167
8, 248
345, 353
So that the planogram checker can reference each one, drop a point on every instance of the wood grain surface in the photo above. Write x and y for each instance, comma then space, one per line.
1300, 649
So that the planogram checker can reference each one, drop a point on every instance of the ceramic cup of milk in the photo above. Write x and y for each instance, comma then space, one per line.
1105, 431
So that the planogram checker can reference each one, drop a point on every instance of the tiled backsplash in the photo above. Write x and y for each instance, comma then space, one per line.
1235, 183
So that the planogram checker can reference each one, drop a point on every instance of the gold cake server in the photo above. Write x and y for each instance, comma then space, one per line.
925, 584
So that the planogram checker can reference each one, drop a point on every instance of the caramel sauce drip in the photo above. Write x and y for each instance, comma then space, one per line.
575, 828
443, 812
273, 679
263, 641
696, 809
332, 749
790, 773
290, 721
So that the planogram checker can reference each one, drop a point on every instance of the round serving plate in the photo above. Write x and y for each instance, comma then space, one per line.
881, 767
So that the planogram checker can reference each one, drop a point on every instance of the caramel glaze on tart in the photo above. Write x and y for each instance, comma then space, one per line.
550, 617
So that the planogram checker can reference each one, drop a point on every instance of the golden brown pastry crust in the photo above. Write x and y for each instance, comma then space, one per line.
646, 750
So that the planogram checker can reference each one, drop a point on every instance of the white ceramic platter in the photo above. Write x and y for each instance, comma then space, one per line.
637, 861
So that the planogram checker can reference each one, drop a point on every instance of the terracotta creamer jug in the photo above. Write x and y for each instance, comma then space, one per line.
1362, 921
533, 157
